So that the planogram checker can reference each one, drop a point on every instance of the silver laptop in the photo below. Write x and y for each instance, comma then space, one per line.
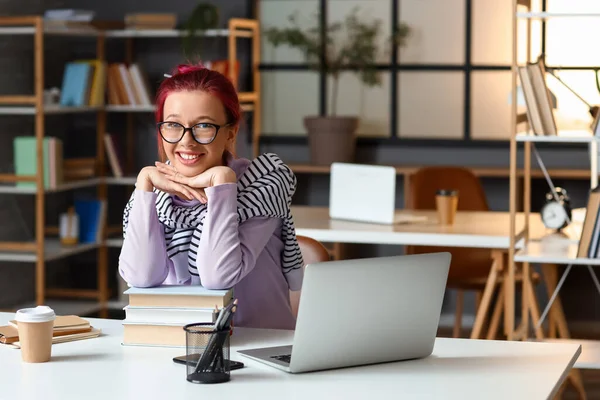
364, 311
365, 193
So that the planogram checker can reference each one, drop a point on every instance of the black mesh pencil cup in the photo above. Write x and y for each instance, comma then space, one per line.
207, 352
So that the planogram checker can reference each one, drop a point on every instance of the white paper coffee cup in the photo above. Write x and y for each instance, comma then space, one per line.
35, 326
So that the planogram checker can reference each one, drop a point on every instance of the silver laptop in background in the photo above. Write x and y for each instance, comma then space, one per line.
364, 311
365, 193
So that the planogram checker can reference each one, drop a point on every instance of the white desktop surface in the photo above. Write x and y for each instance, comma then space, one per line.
487, 229
101, 368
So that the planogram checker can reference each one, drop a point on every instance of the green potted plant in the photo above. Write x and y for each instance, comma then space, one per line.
203, 17
351, 43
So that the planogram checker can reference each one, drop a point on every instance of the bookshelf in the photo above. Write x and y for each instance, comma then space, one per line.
44, 248
549, 250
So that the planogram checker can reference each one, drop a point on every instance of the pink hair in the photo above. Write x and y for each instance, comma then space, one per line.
186, 77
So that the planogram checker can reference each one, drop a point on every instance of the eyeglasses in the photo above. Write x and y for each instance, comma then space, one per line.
203, 133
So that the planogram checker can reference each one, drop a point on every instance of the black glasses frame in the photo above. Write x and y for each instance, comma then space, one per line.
191, 129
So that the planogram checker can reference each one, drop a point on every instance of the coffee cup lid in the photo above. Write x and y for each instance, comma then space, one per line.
36, 314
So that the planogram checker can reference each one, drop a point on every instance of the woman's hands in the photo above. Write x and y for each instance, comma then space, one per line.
211, 177
166, 178
150, 178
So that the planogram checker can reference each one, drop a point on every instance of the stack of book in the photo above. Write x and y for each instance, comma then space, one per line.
151, 21
156, 316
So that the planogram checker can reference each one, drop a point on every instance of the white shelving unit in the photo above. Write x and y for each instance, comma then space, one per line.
555, 249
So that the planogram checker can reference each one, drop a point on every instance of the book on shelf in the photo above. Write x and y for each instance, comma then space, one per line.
151, 21
156, 316
92, 219
127, 85
25, 160
83, 83
114, 153
538, 99
79, 168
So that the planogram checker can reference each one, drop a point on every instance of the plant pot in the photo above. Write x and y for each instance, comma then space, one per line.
331, 139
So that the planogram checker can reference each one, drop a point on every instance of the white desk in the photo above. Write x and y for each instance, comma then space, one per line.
101, 368
488, 230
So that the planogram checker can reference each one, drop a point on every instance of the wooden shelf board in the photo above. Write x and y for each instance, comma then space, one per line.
16, 110
50, 31
114, 242
562, 137
169, 33
125, 180
130, 108
546, 15
12, 189
53, 250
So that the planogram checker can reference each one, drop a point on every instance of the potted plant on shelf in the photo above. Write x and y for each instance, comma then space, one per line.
203, 17
348, 45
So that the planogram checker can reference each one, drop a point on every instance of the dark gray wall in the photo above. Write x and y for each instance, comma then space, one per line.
159, 56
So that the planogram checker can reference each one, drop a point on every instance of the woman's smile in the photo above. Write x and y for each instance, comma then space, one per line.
189, 157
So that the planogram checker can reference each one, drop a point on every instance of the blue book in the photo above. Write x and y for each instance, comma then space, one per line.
75, 85
91, 216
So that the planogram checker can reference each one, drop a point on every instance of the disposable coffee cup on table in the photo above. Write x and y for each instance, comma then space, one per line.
446, 201
35, 326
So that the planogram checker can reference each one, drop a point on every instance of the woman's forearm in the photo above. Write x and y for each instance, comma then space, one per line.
143, 261
227, 251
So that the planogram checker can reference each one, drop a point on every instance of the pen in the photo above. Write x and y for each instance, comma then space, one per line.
227, 315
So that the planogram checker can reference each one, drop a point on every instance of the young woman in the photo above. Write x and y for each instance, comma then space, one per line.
204, 217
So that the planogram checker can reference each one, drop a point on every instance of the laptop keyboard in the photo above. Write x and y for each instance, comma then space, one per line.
286, 358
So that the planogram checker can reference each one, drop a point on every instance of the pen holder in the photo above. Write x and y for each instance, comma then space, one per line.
211, 350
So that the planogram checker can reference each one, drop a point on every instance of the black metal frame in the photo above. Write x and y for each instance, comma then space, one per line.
393, 68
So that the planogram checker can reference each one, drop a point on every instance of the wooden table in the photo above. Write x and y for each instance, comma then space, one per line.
102, 368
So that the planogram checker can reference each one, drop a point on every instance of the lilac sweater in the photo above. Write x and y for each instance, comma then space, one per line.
244, 256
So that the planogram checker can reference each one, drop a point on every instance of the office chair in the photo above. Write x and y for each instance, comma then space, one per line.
312, 252
470, 267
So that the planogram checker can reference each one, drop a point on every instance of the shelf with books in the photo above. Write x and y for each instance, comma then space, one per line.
530, 75
53, 250
38, 167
